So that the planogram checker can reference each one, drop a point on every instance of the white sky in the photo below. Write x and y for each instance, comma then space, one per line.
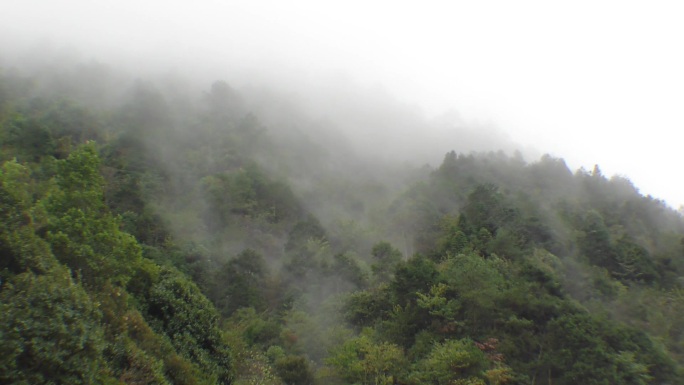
590, 81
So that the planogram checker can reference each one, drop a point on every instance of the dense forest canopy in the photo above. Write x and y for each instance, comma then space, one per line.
159, 232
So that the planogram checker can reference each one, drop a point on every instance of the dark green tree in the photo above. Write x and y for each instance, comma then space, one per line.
385, 260
177, 309
49, 332
241, 283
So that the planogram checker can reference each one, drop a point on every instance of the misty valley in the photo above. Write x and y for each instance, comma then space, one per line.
161, 230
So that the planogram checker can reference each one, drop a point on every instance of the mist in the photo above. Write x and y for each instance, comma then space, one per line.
603, 93
369, 93
298, 192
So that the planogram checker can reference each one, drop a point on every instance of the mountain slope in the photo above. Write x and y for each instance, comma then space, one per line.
159, 235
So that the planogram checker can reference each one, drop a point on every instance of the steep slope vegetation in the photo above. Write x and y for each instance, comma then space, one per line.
153, 235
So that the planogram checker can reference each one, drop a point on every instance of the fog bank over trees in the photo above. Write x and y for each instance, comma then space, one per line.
597, 95
237, 232
283, 193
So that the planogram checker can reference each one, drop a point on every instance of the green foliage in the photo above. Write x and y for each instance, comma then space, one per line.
478, 284
595, 242
302, 232
85, 236
15, 196
256, 370
41, 127
634, 262
449, 362
50, 331
20, 248
438, 304
247, 193
385, 258
453, 240
416, 275
364, 361
240, 283
294, 370
178, 310
345, 270
586, 352
256, 329
142, 368
530, 274
81, 231
363, 308
32, 138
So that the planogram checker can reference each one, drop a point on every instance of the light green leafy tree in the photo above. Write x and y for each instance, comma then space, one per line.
363, 361
450, 361
82, 232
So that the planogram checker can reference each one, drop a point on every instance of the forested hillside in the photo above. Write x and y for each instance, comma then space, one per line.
151, 233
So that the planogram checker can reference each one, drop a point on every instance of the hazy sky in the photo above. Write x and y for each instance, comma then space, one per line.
590, 81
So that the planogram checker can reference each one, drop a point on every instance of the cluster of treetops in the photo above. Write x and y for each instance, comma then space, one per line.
152, 237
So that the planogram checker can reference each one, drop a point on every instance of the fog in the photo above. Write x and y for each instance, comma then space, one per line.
592, 82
